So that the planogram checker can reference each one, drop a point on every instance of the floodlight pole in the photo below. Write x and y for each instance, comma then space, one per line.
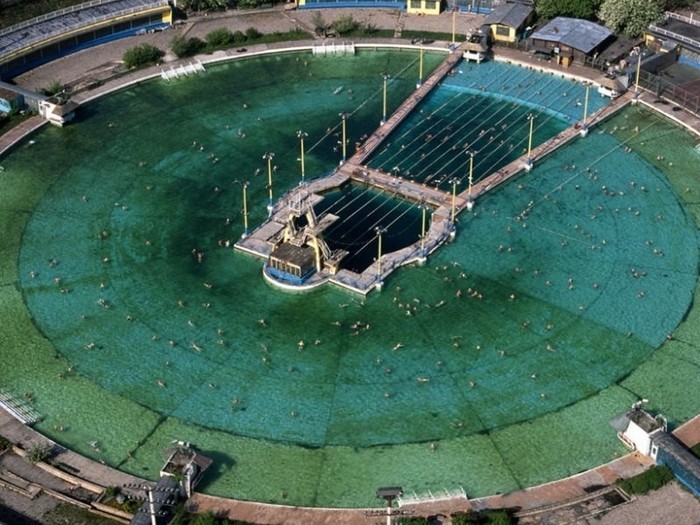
269, 157
584, 125
528, 161
636, 78
420, 69
302, 135
454, 181
245, 210
385, 76
470, 202
422, 234
343, 116
454, 23
379, 254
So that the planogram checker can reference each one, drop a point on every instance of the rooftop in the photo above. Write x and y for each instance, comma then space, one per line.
17, 37
578, 34
512, 15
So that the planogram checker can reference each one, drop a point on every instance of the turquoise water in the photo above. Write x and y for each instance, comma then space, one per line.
558, 288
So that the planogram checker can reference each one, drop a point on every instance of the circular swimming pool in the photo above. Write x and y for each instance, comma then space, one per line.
131, 324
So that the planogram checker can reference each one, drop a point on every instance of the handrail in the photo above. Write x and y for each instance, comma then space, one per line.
686, 19
674, 35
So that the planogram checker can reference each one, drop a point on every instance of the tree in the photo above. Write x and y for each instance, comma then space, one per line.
204, 5
186, 47
142, 55
319, 23
572, 8
345, 24
218, 38
630, 17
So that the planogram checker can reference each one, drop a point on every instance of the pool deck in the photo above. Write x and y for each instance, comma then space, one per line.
530, 498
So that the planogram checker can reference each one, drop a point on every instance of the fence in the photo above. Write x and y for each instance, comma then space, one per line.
664, 88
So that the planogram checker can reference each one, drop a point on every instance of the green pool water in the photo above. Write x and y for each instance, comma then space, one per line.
496, 366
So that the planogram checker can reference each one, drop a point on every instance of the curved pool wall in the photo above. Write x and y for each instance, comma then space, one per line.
548, 315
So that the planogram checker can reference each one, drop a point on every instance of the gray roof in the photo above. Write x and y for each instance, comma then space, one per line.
579, 34
42, 28
511, 15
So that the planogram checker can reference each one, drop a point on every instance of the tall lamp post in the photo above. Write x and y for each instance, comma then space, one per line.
454, 24
636, 77
528, 161
302, 135
420, 68
454, 182
470, 202
379, 230
389, 494
268, 157
245, 210
584, 124
344, 117
385, 76
424, 209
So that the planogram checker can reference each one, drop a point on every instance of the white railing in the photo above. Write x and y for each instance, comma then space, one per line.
686, 19
334, 49
414, 499
183, 70
18, 408
675, 36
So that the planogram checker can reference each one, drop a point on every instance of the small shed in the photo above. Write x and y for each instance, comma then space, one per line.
292, 263
57, 110
569, 39
507, 22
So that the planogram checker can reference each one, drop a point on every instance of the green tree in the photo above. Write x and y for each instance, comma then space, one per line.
345, 24
320, 24
38, 452
207, 518
630, 17
218, 38
465, 518
54, 88
203, 5
573, 8
250, 4
142, 55
186, 47
251, 33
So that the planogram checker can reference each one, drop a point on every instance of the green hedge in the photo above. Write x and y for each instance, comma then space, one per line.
651, 479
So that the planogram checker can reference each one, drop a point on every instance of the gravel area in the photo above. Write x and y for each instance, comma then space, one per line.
670, 504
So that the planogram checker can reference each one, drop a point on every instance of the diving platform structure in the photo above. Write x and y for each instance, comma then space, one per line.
299, 260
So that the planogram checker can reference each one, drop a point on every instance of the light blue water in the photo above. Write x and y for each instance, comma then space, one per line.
557, 287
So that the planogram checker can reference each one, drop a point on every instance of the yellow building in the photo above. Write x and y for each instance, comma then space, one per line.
424, 7
508, 22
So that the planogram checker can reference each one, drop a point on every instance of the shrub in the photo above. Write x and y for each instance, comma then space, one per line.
4, 443
38, 452
251, 33
345, 24
54, 88
142, 55
186, 47
238, 37
218, 38
651, 479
